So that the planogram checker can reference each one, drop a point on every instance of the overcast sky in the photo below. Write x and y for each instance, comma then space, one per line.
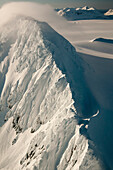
100, 4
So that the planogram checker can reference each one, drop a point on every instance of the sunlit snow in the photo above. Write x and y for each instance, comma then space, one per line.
55, 98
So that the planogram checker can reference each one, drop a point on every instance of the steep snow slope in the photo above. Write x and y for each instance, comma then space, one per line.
44, 99
80, 13
98, 53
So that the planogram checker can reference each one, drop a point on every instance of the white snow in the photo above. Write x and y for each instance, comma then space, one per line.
109, 12
37, 99
72, 14
57, 102
93, 41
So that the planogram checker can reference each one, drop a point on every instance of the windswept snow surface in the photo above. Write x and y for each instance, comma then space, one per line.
44, 100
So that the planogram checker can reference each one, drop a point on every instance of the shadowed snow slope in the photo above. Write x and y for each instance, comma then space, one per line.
43, 98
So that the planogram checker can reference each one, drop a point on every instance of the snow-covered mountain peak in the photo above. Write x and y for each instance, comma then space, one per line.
80, 13
33, 42
43, 95
85, 8
109, 12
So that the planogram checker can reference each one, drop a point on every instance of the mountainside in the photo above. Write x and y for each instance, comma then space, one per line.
109, 12
45, 102
80, 13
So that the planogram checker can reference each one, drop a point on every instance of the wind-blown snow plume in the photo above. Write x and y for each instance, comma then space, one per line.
34, 10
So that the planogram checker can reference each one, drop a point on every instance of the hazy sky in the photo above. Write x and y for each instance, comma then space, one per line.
100, 4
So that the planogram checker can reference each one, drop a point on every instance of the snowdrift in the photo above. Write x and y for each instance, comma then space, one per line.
103, 40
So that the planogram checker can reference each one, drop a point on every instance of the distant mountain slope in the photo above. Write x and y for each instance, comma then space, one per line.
80, 13
109, 12
44, 99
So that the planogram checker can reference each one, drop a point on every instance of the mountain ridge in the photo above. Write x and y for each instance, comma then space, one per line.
83, 13
43, 121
